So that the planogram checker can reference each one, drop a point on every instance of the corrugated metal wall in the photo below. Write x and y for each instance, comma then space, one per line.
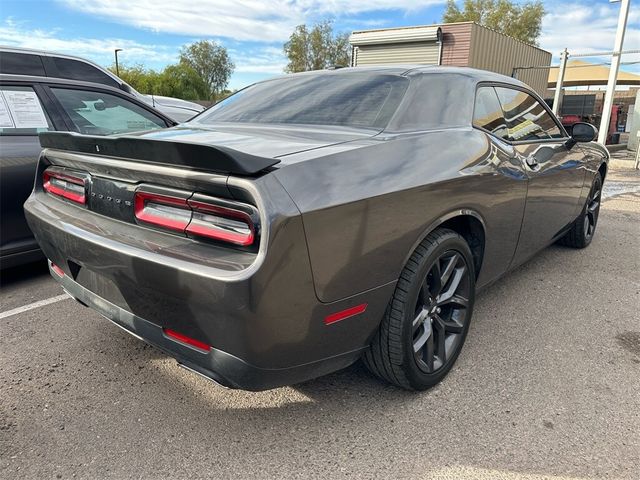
456, 43
464, 44
425, 53
499, 53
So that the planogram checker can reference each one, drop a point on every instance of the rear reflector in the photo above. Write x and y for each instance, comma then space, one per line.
179, 337
57, 270
349, 312
64, 185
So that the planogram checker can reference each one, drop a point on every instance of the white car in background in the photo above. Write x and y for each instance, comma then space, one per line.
22, 61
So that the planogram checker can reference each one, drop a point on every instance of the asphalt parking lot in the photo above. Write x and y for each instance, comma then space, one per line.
547, 386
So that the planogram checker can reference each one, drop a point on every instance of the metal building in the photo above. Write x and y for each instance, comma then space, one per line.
464, 44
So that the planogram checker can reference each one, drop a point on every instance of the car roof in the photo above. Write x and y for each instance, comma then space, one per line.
410, 70
32, 51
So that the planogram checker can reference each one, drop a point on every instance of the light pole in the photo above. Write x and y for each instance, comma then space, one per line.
613, 72
116, 54
558, 93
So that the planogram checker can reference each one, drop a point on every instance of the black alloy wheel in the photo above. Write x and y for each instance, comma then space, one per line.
441, 311
428, 317
584, 228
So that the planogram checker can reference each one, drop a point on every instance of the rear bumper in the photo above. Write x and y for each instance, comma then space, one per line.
222, 367
262, 318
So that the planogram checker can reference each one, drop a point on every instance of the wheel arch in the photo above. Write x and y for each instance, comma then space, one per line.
603, 170
467, 223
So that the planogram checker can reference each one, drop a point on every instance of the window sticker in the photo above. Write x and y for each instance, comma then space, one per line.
5, 118
25, 109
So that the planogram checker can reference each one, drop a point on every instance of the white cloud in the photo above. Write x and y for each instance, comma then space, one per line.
588, 29
267, 60
255, 20
15, 34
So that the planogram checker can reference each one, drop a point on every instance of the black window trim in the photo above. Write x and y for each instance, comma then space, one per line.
520, 88
71, 127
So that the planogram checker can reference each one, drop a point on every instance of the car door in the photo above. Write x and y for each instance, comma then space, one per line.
22, 116
95, 111
556, 173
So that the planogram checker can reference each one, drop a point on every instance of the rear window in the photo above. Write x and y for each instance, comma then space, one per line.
76, 70
354, 100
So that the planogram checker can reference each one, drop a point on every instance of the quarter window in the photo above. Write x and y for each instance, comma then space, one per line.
487, 113
21, 64
100, 113
525, 116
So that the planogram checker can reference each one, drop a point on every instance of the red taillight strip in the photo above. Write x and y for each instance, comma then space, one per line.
217, 233
141, 200
62, 192
57, 269
172, 334
349, 312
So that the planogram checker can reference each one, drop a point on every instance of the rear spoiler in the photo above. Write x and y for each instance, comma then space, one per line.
197, 156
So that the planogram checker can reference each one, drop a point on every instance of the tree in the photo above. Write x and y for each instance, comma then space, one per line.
182, 81
521, 21
211, 63
316, 48
142, 79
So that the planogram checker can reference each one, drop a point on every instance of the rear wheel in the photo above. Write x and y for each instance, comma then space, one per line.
428, 317
584, 228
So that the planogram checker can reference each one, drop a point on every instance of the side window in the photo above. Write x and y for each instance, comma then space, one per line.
21, 112
76, 70
487, 113
526, 118
100, 113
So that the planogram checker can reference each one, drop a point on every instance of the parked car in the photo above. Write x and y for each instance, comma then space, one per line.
30, 105
20, 61
314, 219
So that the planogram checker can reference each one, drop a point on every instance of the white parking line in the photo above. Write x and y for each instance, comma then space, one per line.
31, 306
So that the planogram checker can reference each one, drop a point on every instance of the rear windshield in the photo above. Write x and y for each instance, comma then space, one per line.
354, 100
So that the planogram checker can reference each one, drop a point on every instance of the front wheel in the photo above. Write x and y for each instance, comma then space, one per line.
584, 228
428, 317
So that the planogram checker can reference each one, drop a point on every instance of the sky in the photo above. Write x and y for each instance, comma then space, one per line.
151, 32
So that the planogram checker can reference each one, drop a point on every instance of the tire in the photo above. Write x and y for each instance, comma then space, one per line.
584, 227
419, 314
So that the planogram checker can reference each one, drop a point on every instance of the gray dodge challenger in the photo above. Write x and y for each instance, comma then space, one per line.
311, 220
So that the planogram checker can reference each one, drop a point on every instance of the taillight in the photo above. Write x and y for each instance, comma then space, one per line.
160, 210
221, 223
65, 185
197, 215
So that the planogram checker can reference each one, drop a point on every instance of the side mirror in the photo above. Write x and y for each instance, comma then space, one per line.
582, 132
